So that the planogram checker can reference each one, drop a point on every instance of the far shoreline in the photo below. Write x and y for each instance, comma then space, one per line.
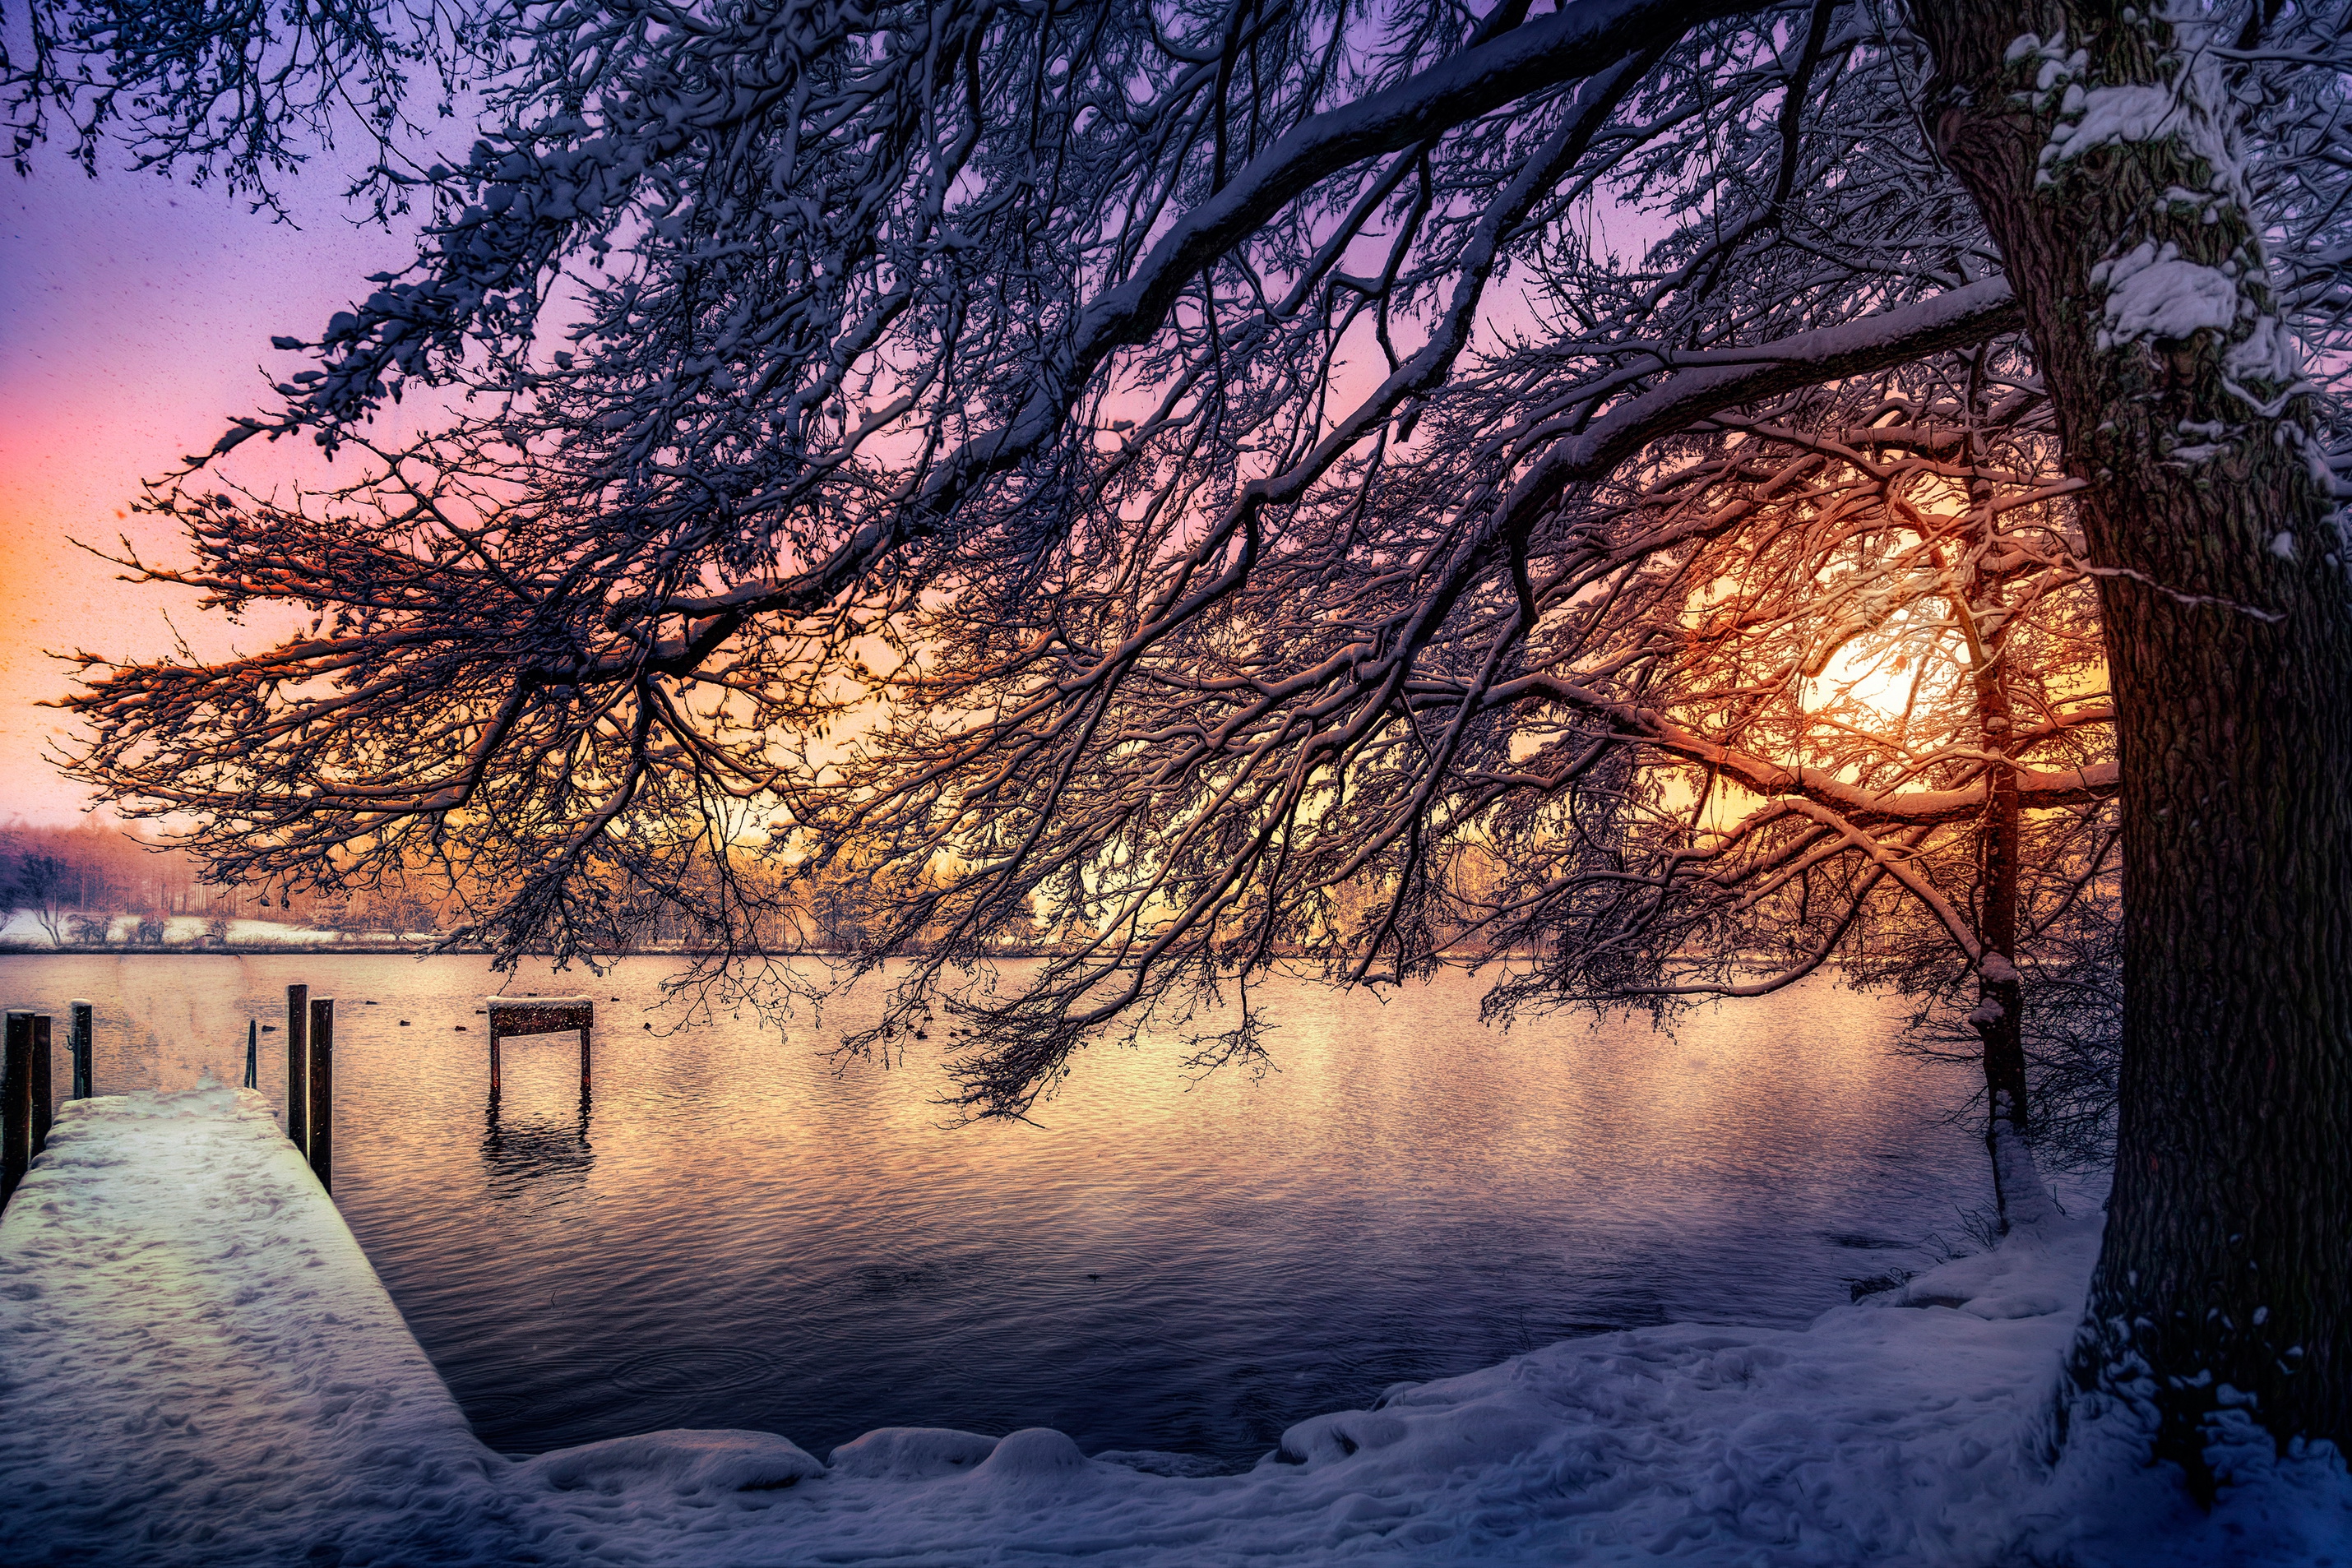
383, 949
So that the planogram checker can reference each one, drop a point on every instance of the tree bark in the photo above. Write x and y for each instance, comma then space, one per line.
2000, 1015
2227, 1269
1999, 1018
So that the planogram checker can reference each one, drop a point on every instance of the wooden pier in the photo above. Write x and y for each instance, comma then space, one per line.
26, 1095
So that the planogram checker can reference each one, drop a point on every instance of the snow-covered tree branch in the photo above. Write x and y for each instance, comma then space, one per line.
1650, 488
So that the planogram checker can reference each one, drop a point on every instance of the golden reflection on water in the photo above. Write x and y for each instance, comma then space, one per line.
737, 1230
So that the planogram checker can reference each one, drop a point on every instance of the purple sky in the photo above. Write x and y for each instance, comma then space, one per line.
135, 317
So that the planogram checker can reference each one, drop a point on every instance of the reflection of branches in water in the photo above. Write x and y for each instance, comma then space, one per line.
518, 1154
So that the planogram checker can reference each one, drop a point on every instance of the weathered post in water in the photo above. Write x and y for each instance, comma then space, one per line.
15, 1105
298, 1065
78, 1038
540, 1014
253, 1053
43, 1099
322, 1091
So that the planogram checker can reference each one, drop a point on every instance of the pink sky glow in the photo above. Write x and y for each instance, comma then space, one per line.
135, 317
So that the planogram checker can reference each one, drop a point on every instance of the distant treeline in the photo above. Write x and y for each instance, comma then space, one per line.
96, 865
92, 872
99, 882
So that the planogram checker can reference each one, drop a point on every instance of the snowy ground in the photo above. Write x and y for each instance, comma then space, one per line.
23, 928
200, 1367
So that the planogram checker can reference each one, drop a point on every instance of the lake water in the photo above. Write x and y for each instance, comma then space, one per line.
733, 1233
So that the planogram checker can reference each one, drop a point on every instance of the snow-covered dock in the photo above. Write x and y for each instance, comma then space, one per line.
201, 1368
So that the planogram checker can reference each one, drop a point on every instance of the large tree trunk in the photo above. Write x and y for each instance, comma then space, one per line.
2227, 1273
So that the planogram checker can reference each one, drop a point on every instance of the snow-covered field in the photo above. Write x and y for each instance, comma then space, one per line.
23, 928
201, 1368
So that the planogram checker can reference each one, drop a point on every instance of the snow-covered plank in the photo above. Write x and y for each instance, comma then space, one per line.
200, 1364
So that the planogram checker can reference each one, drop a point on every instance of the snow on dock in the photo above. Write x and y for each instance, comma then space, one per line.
197, 1365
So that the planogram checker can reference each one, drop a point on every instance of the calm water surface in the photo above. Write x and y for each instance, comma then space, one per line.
731, 1233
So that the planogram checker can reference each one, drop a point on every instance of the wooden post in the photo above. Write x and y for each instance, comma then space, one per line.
540, 1015
15, 1105
44, 1101
78, 1043
253, 1053
298, 1066
322, 1091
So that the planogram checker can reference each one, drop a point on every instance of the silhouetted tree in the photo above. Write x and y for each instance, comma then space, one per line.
1173, 462
37, 882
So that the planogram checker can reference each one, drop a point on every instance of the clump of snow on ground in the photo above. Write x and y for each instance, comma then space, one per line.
201, 1368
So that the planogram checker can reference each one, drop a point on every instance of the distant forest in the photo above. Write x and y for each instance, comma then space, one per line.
82, 884
76, 880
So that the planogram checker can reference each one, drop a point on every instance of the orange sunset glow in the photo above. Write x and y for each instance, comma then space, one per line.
1186, 783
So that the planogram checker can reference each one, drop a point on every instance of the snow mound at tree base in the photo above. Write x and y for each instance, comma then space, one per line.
201, 1368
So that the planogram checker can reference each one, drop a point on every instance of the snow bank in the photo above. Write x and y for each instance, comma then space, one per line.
201, 1368
23, 927
273, 931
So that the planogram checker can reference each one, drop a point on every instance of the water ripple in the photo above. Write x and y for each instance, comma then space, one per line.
736, 1232
687, 1369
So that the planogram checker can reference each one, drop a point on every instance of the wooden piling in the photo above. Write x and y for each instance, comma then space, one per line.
253, 1053
322, 1091
540, 1014
15, 1105
298, 1065
44, 1101
78, 1045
